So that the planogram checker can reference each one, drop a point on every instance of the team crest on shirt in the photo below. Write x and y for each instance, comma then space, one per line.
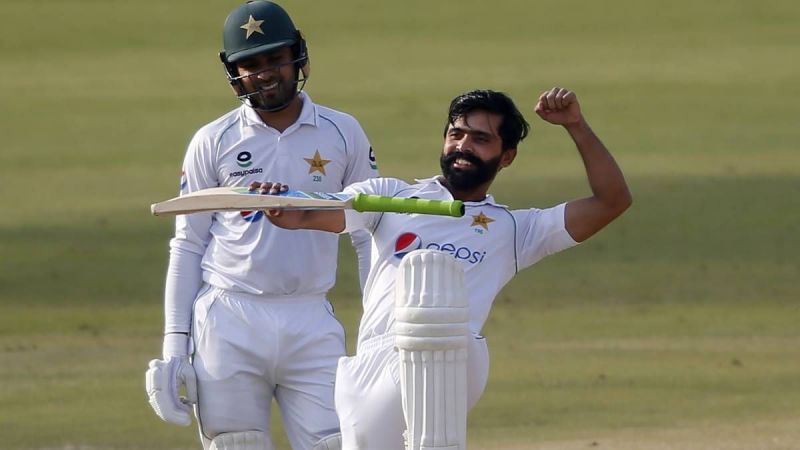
317, 164
184, 183
481, 220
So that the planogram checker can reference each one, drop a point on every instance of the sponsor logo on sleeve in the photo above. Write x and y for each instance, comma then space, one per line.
373, 162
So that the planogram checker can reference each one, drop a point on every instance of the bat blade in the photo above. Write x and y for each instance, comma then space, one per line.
242, 199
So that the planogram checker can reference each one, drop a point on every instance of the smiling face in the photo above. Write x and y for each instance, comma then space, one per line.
473, 151
269, 79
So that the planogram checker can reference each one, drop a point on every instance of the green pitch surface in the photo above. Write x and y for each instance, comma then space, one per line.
675, 328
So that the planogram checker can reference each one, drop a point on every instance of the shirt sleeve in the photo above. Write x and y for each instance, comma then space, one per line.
355, 220
361, 165
192, 235
540, 233
363, 245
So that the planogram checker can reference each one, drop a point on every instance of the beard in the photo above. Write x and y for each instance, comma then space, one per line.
275, 100
467, 179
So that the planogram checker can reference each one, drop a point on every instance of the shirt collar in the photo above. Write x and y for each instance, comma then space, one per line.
308, 114
434, 184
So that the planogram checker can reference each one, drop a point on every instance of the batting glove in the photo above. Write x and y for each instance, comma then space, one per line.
163, 381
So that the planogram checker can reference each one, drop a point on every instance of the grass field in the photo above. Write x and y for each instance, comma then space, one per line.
675, 328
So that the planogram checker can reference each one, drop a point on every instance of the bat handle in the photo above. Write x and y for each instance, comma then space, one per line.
379, 203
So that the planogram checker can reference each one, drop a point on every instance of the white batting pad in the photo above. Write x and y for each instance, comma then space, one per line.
432, 329
245, 440
332, 442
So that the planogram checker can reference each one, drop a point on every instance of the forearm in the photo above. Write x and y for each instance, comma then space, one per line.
316, 219
362, 243
184, 278
610, 195
604, 175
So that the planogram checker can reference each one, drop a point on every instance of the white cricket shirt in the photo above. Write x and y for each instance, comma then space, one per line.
323, 151
491, 241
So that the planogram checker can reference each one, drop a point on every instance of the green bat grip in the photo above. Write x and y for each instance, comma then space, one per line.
378, 203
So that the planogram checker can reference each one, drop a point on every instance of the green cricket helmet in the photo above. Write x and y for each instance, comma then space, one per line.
257, 27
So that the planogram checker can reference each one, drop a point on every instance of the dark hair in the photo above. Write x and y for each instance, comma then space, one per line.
513, 127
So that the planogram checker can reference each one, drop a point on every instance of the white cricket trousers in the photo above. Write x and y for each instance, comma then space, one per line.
368, 396
249, 349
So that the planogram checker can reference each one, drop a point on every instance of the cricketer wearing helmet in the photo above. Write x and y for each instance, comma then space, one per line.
421, 361
246, 315
268, 35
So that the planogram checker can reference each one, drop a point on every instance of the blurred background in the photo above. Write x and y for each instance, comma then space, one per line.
674, 328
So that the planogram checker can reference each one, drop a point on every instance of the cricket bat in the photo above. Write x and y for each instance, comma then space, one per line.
242, 199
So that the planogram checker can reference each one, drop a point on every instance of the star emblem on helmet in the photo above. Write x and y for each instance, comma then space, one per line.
481, 220
317, 164
252, 26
